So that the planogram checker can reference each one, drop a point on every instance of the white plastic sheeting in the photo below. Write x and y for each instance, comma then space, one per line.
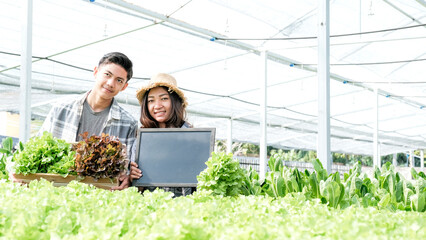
374, 44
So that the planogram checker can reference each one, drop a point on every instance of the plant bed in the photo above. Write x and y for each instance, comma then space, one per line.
96, 160
58, 180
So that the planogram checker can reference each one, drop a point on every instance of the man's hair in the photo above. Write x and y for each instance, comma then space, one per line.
120, 59
177, 116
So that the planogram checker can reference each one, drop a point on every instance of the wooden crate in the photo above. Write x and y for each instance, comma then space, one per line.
58, 180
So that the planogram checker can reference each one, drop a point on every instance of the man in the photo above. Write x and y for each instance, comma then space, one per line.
97, 111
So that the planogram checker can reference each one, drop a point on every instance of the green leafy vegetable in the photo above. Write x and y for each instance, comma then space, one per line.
81, 211
417, 175
251, 184
44, 154
5, 151
332, 191
223, 175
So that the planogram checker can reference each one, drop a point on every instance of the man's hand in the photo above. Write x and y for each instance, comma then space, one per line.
13, 179
124, 181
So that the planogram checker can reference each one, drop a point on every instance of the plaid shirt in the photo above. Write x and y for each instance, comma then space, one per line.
63, 120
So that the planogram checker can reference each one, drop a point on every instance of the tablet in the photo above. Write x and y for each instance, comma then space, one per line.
172, 157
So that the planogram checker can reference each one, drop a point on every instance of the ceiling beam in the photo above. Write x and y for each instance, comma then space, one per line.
208, 35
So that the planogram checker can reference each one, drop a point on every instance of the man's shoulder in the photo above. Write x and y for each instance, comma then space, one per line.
125, 115
66, 104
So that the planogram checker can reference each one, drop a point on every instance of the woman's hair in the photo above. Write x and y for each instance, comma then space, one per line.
177, 116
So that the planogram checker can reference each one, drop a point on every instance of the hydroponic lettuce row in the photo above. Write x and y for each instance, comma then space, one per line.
387, 189
44, 154
100, 156
80, 211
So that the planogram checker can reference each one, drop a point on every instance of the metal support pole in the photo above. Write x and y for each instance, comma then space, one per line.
376, 154
229, 139
323, 140
422, 161
263, 104
408, 159
26, 61
394, 162
411, 158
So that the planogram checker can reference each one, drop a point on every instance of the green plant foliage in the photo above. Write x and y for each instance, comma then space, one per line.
44, 154
251, 184
79, 211
293, 155
223, 175
274, 181
5, 151
320, 171
417, 175
332, 191
100, 156
386, 190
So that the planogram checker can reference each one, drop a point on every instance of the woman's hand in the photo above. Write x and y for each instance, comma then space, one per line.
135, 172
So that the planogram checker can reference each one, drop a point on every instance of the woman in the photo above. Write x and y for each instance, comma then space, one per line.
162, 103
162, 106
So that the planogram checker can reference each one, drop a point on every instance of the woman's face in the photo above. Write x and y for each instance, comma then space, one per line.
159, 105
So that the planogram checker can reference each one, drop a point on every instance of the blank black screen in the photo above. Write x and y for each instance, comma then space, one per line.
173, 157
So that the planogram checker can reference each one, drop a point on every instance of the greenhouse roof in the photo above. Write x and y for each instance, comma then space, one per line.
212, 47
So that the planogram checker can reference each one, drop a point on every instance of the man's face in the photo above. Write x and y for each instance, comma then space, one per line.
110, 79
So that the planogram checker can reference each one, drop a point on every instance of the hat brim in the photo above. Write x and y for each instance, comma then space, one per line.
141, 92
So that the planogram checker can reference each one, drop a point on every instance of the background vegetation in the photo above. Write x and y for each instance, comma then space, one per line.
252, 150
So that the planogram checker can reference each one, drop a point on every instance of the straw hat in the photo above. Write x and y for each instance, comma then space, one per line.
161, 79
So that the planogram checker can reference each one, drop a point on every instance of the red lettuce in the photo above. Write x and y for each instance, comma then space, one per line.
100, 156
